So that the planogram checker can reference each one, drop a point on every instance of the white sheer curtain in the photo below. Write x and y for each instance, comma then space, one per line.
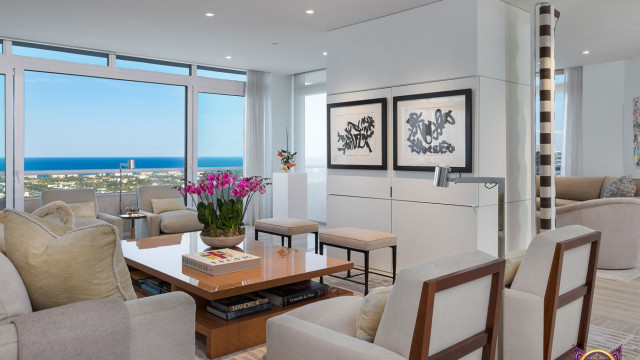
257, 135
572, 144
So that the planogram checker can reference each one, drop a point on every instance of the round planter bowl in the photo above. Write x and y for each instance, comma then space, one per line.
222, 242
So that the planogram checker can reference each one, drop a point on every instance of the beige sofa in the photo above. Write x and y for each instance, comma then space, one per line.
160, 327
170, 222
579, 202
75, 196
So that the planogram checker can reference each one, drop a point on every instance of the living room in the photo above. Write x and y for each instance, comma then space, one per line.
186, 89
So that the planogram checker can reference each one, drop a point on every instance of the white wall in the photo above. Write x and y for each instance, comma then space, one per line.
631, 90
451, 44
603, 88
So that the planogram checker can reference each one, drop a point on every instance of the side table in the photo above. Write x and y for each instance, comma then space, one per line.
133, 218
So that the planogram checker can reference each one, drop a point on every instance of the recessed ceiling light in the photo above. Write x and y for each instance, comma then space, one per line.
586, 52
209, 14
324, 53
274, 43
228, 57
310, 11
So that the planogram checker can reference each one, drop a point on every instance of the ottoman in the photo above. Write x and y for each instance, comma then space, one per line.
360, 240
287, 227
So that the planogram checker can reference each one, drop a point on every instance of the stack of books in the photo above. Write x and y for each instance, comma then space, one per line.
221, 261
150, 284
238, 306
294, 293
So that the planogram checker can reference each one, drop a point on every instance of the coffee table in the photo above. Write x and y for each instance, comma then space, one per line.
161, 256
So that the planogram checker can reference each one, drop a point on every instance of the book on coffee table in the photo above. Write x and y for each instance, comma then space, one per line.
239, 302
221, 261
294, 293
230, 315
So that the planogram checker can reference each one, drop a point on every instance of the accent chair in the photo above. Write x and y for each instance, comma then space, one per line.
548, 307
166, 222
443, 308
76, 197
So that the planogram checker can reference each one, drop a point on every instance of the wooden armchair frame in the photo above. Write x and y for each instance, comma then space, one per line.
485, 339
554, 301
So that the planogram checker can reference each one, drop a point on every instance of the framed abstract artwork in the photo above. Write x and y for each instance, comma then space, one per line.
357, 135
432, 130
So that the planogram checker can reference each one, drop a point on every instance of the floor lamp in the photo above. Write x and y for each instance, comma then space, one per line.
442, 179
131, 164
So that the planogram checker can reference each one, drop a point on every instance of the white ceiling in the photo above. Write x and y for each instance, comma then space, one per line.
246, 29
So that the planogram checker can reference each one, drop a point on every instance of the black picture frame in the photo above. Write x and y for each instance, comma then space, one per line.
466, 166
378, 159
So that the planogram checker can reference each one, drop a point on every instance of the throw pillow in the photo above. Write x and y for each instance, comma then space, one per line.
627, 187
83, 210
513, 261
621, 187
163, 205
611, 189
84, 264
371, 312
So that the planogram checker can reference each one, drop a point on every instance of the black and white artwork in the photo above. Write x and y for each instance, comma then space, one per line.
432, 130
356, 135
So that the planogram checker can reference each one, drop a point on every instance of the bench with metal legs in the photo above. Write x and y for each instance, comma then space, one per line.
287, 228
363, 241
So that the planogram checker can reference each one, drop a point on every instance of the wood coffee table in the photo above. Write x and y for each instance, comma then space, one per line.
161, 256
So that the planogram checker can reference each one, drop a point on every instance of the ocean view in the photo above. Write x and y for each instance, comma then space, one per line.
113, 163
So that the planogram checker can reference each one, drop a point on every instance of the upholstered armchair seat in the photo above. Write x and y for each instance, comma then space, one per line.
169, 222
467, 307
76, 196
160, 327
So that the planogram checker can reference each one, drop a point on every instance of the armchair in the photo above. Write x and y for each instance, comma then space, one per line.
150, 336
76, 196
170, 222
443, 308
617, 219
548, 306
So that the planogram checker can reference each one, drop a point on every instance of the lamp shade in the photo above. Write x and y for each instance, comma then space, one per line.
441, 176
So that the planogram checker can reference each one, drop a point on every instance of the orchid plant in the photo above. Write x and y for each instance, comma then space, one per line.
222, 201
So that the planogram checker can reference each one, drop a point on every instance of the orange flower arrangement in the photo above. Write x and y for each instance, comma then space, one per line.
287, 158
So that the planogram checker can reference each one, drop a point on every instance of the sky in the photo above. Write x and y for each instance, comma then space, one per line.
77, 116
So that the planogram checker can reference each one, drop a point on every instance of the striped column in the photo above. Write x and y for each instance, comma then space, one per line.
546, 40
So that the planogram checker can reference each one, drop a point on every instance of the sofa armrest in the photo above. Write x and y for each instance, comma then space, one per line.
149, 226
113, 220
162, 327
191, 208
8, 342
597, 203
292, 338
523, 325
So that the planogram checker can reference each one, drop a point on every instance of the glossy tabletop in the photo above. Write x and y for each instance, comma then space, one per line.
161, 256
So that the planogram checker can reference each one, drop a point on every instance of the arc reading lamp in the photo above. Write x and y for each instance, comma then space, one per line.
131, 164
442, 178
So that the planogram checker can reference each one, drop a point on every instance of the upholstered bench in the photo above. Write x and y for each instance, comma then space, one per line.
360, 240
286, 227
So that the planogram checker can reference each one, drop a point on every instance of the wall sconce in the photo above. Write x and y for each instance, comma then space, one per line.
442, 178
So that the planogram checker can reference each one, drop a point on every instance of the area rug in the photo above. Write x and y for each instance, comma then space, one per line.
619, 275
607, 339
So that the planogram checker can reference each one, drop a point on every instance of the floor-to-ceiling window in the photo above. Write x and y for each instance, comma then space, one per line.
79, 115
220, 132
310, 109
76, 127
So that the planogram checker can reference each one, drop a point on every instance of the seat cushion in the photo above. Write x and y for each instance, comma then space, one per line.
338, 314
14, 299
179, 221
80, 222
84, 264
356, 238
286, 226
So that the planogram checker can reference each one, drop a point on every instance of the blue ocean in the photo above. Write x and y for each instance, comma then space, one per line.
113, 163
